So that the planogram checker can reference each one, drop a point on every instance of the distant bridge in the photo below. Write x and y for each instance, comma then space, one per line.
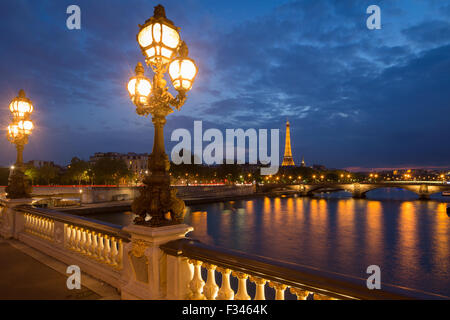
358, 189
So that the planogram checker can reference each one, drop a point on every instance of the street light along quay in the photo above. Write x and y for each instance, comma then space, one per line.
164, 51
18, 131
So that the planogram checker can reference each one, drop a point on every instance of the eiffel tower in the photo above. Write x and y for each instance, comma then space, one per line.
287, 159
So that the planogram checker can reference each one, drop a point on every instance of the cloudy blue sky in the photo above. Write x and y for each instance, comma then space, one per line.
355, 97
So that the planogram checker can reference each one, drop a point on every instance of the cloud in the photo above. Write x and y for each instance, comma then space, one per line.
354, 97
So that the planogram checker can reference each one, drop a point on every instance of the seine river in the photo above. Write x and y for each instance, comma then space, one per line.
409, 239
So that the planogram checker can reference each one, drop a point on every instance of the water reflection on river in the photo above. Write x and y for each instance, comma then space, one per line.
408, 239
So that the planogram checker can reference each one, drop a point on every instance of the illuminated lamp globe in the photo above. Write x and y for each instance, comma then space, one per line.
21, 106
182, 73
25, 126
139, 87
13, 131
158, 38
183, 70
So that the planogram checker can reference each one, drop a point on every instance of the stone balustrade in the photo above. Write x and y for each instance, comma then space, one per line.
97, 248
94, 245
197, 271
39, 226
210, 290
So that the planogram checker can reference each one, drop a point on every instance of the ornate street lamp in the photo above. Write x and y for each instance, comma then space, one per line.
159, 40
21, 108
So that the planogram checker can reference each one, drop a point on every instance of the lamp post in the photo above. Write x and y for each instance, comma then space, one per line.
160, 43
18, 131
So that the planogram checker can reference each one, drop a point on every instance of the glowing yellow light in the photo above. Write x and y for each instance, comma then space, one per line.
20, 108
145, 36
25, 126
159, 41
170, 37
182, 72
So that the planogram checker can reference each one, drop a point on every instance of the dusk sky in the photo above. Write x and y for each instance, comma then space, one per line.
354, 97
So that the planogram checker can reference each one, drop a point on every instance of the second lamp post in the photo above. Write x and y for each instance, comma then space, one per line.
159, 40
21, 108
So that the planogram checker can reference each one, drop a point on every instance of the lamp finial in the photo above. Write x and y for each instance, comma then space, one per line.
159, 12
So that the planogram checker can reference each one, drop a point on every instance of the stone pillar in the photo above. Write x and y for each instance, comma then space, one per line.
424, 196
146, 265
424, 192
357, 193
12, 223
179, 276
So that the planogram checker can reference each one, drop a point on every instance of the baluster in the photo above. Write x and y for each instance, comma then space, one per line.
225, 291
78, 239
242, 287
101, 247
52, 230
260, 285
94, 245
73, 238
197, 283
279, 290
38, 229
68, 242
31, 223
114, 251
83, 241
67, 232
211, 287
45, 224
27, 222
107, 250
41, 226
35, 225
120, 254
301, 294
88, 243
47, 229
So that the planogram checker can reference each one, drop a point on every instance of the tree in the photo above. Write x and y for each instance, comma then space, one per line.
110, 171
77, 171
4, 174
32, 173
47, 173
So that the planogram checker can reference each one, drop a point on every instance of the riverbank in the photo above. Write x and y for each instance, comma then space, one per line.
125, 205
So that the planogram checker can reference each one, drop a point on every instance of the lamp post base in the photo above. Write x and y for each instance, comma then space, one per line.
157, 205
19, 186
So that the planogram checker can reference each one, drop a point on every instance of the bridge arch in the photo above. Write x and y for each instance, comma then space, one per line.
391, 188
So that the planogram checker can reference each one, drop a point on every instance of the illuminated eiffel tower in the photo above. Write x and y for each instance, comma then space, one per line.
287, 159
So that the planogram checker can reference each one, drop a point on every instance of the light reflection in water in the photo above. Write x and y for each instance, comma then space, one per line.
408, 238
374, 231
